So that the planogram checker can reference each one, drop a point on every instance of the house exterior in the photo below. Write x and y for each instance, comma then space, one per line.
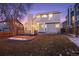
73, 19
11, 28
76, 12
48, 22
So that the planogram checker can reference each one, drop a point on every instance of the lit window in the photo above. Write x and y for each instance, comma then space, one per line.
57, 25
50, 16
45, 26
73, 19
44, 16
38, 16
4, 22
37, 23
42, 26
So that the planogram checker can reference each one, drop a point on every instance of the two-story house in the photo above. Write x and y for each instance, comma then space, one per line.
49, 22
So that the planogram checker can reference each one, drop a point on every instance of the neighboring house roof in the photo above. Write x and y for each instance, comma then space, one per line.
12, 21
2, 21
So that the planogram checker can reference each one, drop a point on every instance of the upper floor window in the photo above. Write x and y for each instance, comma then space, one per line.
44, 16
73, 19
50, 16
38, 16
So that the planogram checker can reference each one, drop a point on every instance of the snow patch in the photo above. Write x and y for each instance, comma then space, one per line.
75, 40
14, 38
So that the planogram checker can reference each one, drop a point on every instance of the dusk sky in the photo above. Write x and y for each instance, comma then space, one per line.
47, 7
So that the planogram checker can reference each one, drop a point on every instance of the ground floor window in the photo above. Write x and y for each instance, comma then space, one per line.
41, 26
4, 27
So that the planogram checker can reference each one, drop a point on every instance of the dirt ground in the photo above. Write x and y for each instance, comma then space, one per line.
41, 45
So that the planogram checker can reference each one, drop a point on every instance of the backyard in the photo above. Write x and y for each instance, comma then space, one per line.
40, 45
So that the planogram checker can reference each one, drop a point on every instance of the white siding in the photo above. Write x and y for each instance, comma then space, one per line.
55, 18
51, 28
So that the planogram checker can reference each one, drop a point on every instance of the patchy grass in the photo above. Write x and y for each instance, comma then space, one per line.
42, 45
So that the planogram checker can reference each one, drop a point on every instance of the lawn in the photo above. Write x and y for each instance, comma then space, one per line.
41, 45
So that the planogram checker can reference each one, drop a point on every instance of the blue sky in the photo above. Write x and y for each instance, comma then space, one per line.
47, 7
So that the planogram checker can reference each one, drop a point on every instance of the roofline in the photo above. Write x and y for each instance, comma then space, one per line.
3, 21
11, 20
53, 12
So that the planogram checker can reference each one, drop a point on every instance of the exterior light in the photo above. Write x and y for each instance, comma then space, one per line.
50, 16
4, 22
44, 16
57, 25
45, 26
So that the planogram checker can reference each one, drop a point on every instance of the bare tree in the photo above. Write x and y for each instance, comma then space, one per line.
20, 9
14, 10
